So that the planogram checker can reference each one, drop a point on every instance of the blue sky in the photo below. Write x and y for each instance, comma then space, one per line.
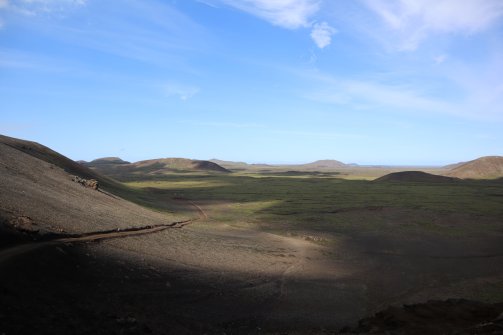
278, 81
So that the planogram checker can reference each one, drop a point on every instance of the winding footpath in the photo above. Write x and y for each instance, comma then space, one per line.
96, 236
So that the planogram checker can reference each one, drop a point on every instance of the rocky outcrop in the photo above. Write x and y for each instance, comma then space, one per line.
90, 183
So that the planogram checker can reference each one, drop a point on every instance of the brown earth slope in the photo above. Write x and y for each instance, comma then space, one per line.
488, 167
39, 194
54, 158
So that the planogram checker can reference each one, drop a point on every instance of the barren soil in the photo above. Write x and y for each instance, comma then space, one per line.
231, 256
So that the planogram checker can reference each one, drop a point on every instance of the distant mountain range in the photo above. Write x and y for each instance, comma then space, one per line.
320, 164
488, 167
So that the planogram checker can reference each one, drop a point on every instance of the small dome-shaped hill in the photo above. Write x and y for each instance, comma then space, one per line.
415, 176
108, 160
208, 166
325, 164
488, 167
180, 164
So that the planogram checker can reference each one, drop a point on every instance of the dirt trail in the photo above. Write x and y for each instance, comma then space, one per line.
202, 213
303, 250
88, 237
9, 253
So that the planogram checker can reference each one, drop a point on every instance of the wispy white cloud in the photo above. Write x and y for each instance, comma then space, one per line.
481, 84
413, 21
480, 99
182, 91
322, 34
291, 14
367, 94
14, 59
208, 3
439, 59
146, 31
31, 8
36, 7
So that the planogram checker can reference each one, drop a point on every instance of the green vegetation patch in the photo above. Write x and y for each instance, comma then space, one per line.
328, 203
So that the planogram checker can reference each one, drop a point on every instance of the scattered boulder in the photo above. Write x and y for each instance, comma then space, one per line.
24, 224
90, 183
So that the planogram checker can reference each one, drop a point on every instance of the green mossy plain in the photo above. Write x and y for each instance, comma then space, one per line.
329, 203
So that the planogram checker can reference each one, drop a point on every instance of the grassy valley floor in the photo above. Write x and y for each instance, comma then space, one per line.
273, 253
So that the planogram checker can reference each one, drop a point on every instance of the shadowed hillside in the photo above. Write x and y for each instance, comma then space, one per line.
488, 167
414, 176
454, 316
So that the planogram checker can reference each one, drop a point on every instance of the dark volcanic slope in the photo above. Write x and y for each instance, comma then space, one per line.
481, 168
38, 194
414, 176
50, 156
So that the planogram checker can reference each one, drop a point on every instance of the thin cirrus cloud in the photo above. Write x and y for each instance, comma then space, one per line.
35, 7
479, 99
289, 14
151, 37
412, 22
439, 59
181, 91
